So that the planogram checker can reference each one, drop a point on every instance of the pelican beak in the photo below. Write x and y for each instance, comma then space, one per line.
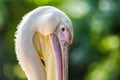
61, 55
53, 55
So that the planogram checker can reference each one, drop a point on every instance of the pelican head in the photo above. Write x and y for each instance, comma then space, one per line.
42, 43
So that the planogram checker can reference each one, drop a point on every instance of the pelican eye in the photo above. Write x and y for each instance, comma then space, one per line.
63, 29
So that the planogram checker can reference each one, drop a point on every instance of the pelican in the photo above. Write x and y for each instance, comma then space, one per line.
42, 43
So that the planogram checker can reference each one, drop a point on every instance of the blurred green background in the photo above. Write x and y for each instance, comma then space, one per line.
95, 52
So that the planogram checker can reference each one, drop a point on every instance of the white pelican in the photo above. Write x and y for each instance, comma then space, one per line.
42, 41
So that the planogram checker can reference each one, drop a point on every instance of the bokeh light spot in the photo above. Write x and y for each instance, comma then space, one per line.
114, 42
110, 43
77, 9
18, 72
106, 5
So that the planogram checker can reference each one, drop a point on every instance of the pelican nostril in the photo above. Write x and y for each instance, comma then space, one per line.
43, 62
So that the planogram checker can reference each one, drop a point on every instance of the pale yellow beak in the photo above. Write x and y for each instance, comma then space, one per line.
53, 55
